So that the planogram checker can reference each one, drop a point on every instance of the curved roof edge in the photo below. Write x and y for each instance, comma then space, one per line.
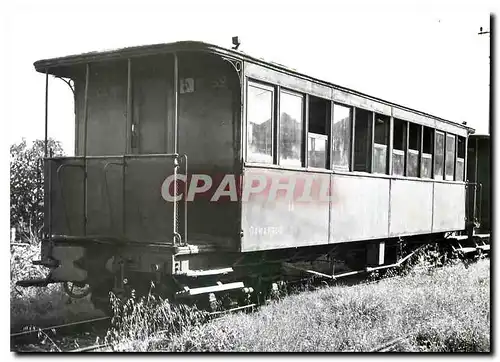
154, 49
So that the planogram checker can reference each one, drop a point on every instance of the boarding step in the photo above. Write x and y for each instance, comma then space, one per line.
205, 273
219, 287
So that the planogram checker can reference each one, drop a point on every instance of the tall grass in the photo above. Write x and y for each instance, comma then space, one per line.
441, 310
138, 324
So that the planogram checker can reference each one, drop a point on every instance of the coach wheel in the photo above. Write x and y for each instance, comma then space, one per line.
76, 290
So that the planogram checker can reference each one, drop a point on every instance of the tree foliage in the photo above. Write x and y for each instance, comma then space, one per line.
26, 183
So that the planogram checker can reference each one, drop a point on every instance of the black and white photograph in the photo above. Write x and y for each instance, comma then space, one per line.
249, 176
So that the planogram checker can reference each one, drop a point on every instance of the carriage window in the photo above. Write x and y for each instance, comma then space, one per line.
260, 124
439, 156
450, 157
381, 139
413, 149
341, 145
459, 172
362, 140
291, 127
319, 129
398, 147
426, 171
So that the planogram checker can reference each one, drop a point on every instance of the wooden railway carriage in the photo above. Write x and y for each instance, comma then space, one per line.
319, 170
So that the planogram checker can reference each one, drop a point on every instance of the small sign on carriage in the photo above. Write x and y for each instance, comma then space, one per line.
186, 85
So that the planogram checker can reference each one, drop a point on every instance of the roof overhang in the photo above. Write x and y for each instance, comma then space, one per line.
60, 67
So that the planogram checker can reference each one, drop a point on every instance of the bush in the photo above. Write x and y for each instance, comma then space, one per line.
40, 306
26, 184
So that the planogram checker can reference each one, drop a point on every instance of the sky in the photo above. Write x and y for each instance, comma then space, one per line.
424, 55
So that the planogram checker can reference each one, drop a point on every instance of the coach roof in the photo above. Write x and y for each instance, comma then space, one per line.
55, 66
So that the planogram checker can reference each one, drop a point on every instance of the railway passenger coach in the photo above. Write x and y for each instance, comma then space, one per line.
209, 171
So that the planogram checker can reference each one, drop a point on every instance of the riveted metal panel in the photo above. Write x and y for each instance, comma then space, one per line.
449, 207
277, 222
360, 208
411, 203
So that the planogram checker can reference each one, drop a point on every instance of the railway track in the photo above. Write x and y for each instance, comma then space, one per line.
82, 336
61, 338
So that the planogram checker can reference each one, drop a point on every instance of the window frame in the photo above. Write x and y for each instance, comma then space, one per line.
277, 139
419, 129
370, 137
328, 128
350, 163
404, 151
436, 131
277, 90
448, 134
268, 87
464, 139
388, 124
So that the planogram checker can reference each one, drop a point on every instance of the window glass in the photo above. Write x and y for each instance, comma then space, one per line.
291, 126
439, 156
363, 140
398, 151
381, 138
426, 165
459, 171
412, 163
427, 151
341, 148
413, 149
450, 156
319, 129
260, 124
317, 150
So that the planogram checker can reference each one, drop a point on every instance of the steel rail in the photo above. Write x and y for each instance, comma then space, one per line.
58, 326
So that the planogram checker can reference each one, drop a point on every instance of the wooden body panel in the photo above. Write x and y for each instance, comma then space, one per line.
411, 203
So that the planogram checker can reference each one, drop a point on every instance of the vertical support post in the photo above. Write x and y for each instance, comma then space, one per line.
476, 179
277, 133
371, 147
46, 112
391, 143
444, 154
455, 158
176, 145
465, 157
85, 126
176, 103
407, 147
330, 138
47, 196
353, 136
434, 148
129, 134
124, 215
128, 126
421, 151
305, 135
